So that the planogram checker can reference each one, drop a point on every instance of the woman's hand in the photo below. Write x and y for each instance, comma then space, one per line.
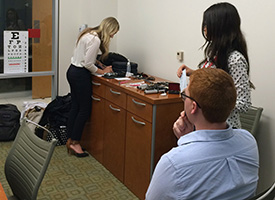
107, 69
100, 64
182, 126
188, 70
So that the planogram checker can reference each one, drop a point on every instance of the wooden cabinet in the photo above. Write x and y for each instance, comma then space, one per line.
129, 131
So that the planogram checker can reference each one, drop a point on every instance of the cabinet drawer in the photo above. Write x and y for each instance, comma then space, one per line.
115, 96
98, 88
140, 108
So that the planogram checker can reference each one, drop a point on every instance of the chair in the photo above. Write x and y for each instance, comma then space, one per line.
251, 118
268, 194
27, 162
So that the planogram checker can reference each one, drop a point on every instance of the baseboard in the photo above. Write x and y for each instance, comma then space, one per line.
6, 95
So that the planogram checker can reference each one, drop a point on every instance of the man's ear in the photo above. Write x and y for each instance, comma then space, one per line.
194, 107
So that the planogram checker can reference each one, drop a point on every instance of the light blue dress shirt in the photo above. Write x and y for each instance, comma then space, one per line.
208, 164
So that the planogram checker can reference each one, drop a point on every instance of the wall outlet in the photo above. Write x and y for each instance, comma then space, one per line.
180, 56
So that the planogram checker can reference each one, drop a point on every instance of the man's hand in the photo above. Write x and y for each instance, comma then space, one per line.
182, 126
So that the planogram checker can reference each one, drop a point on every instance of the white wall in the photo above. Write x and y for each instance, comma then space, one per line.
152, 31
72, 15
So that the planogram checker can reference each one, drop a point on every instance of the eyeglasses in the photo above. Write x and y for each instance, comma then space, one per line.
184, 96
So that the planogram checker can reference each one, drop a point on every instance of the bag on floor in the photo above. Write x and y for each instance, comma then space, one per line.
9, 121
59, 133
55, 118
34, 114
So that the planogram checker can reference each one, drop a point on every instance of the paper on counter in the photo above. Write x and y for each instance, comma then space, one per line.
137, 83
183, 80
123, 79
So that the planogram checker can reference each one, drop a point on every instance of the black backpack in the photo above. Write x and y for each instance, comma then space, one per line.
9, 121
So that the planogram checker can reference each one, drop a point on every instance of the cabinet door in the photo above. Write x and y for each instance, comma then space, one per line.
137, 155
92, 138
114, 139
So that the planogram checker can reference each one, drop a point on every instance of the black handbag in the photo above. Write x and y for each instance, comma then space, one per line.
114, 57
119, 63
121, 67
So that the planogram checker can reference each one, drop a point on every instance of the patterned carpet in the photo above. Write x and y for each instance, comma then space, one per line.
72, 178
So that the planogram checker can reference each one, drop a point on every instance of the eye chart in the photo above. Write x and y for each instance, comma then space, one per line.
16, 51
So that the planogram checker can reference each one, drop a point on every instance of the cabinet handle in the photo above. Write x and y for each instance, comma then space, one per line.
138, 122
115, 109
138, 103
96, 99
97, 84
114, 92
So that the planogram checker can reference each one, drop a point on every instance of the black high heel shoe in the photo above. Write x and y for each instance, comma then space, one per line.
69, 142
79, 155
73, 152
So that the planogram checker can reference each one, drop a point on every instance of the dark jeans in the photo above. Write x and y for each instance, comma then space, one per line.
81, 91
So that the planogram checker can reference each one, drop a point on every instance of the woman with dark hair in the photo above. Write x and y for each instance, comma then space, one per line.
12, 21
225, 48
83, 61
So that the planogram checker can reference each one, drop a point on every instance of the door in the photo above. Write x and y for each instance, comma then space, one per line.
92, 138
138, 154
42, 47
29, 16
114, 139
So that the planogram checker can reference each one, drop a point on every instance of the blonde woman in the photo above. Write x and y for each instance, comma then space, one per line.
83, 61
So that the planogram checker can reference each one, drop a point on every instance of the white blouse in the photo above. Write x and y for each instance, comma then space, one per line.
86, 51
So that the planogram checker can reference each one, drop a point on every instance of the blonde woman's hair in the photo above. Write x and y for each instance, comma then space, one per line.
109, 26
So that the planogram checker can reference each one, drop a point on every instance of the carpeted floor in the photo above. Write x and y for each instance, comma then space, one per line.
72, 178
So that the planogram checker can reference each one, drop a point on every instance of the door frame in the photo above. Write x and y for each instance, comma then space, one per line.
55, 55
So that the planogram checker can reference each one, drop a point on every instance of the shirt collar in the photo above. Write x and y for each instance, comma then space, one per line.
94, 33
206, 136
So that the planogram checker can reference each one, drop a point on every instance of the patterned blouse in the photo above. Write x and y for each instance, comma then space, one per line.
238, 69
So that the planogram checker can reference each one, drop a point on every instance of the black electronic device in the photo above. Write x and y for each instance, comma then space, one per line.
111, 75
154, 88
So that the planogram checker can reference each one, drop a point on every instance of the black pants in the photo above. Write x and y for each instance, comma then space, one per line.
79, 79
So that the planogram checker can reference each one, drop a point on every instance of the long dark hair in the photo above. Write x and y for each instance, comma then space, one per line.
224, 35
